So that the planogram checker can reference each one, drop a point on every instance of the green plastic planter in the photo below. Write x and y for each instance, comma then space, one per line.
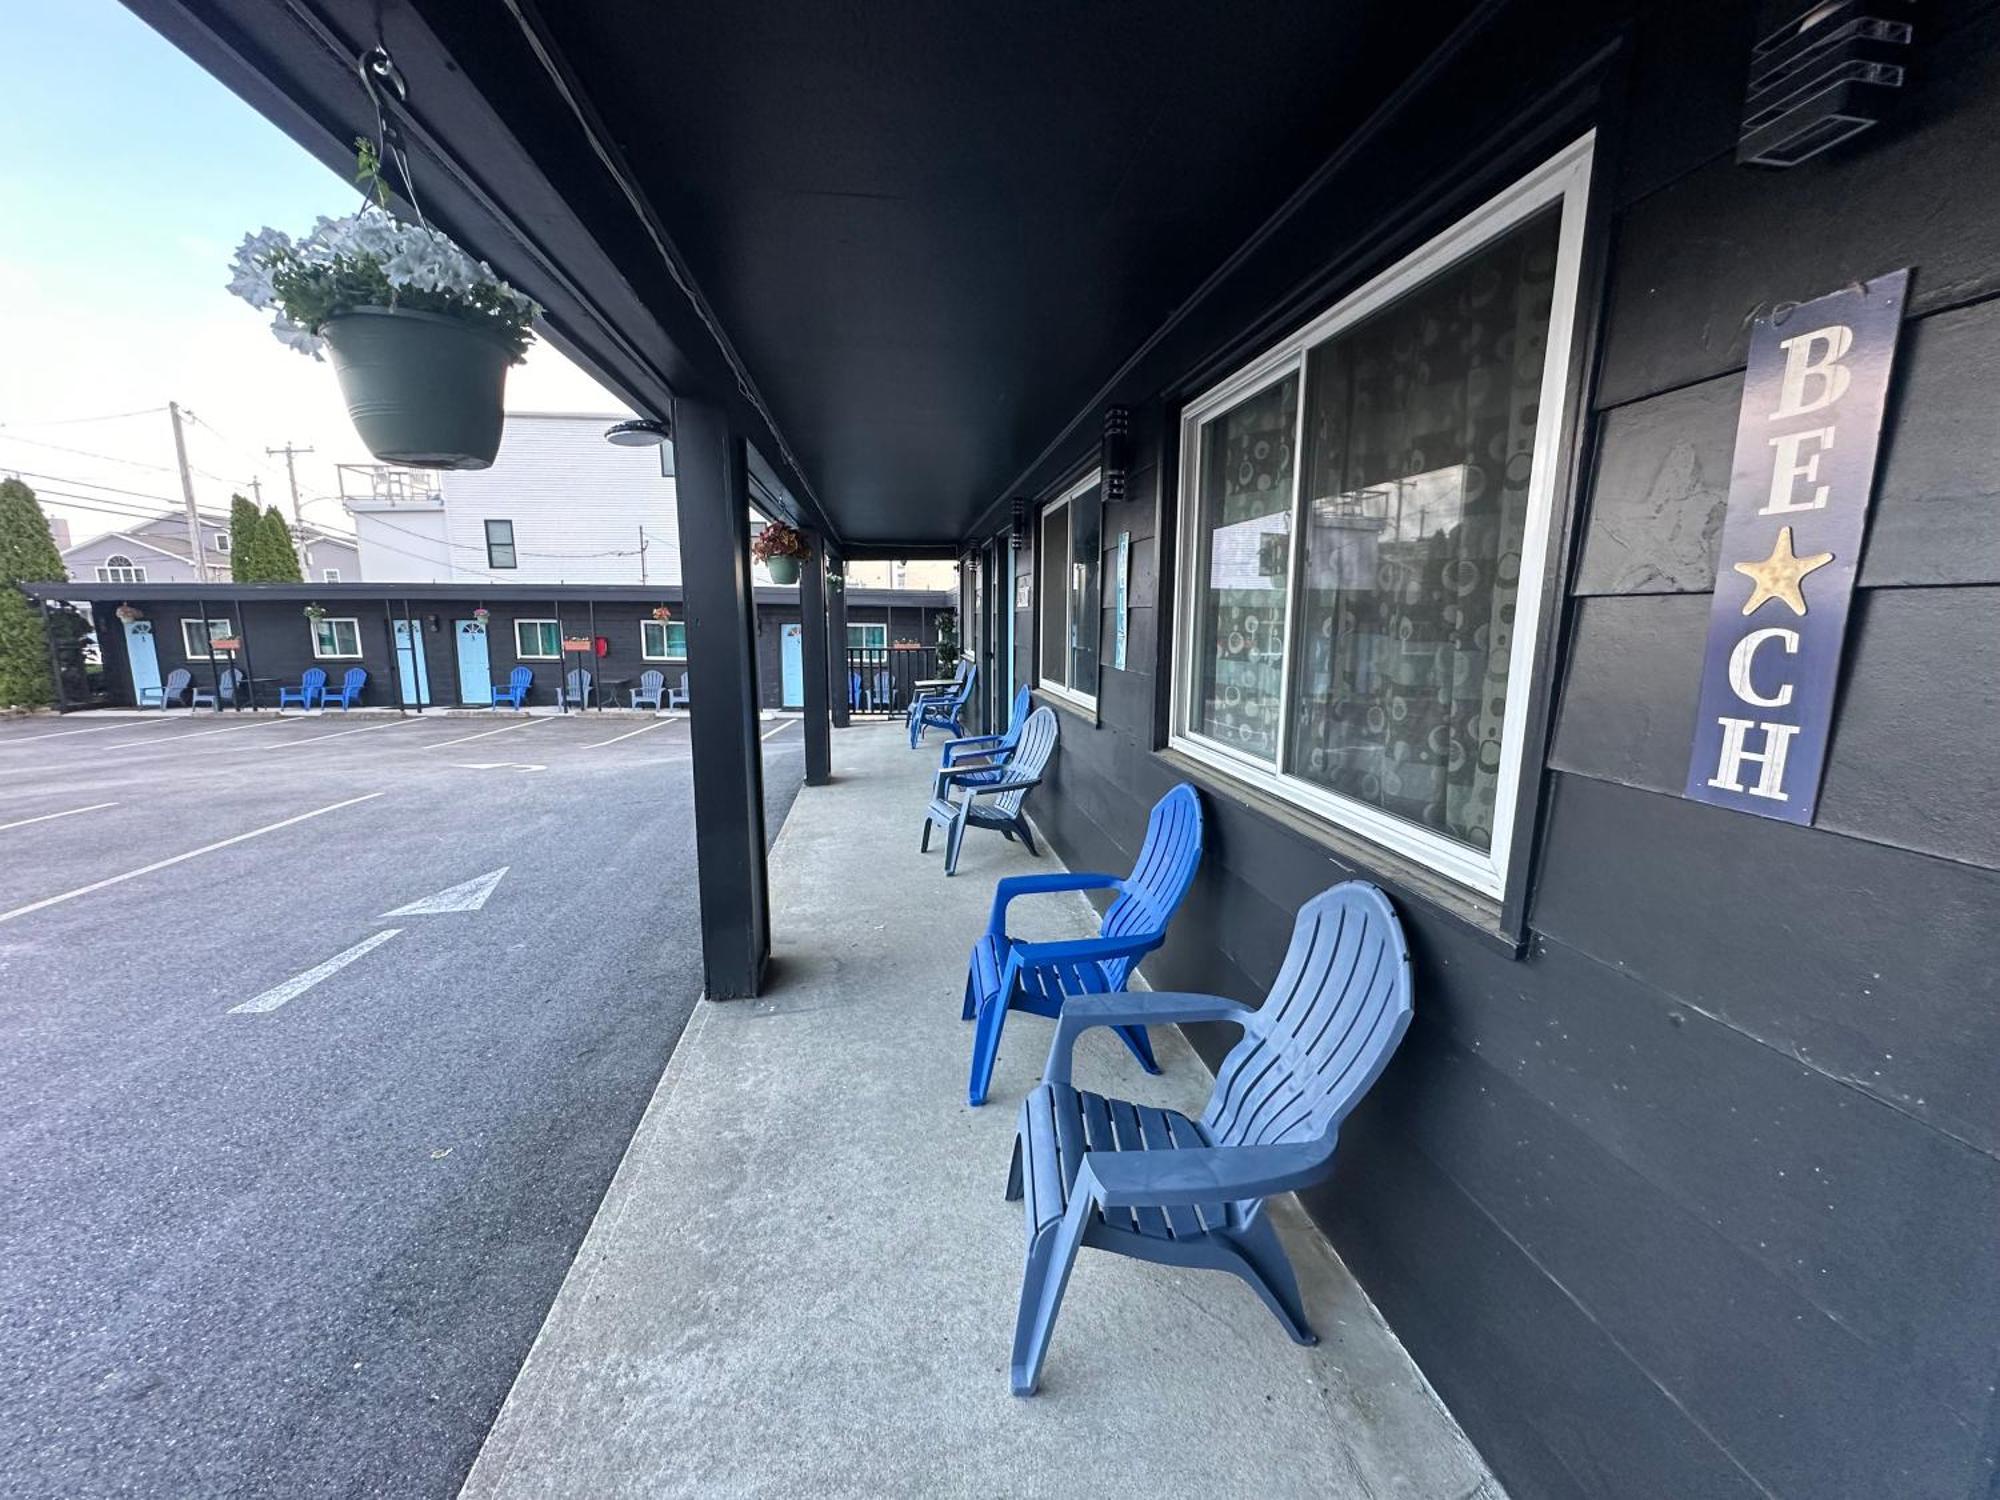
422, 389
784, 570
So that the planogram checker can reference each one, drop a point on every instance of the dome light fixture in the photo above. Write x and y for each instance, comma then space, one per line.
640, 432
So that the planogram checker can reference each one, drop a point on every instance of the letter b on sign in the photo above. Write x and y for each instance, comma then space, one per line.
1814, 375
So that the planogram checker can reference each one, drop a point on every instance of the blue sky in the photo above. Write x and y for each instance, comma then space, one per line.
131, 177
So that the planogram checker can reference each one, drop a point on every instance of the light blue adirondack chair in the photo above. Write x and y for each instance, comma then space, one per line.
311, 686
1153, 1184
971, 809
514, 691
576, 688
678, 697
651, 689
349, 691
942, 708
1042, 977
170, 691
228, 683
988, 751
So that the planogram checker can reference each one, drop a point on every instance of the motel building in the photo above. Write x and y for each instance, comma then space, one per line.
1541, 460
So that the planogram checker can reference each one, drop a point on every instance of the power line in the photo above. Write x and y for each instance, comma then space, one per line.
110, 416
86, 453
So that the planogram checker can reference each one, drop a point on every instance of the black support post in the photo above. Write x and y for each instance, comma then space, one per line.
714, 507
813, 648
837, 669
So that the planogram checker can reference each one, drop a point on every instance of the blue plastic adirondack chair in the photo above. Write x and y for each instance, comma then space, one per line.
1154, 1184
576, 688
1040, 977
969, 810
169, 691
678, 696
651, 689
942, 708
349, 691
990, 751
514, 691
228, 682
308, 692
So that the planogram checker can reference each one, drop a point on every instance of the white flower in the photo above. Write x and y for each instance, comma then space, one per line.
294, 337
250, 267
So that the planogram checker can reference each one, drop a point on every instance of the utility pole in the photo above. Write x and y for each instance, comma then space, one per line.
187, 494
642, 555
257, 491
291, 473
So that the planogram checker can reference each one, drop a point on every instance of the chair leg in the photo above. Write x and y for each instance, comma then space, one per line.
924, 842
991, 1020
1269, 1272
1014, 1172
1021, 827
1043, 1282
954, 838
1136, 1038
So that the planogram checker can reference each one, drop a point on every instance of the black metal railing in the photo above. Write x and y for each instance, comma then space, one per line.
881, 679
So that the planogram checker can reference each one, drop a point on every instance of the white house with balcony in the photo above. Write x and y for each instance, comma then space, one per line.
559, 505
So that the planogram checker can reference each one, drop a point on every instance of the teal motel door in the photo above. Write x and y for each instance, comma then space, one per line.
142, 658
792, 665
475, 669
411, 675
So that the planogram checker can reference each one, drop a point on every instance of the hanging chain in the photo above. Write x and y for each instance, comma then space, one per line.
373, 65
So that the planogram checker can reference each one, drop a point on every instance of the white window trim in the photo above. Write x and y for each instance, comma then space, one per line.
1564, 179
511, 544
330, 575
867, 643
1058, 690
520, 655
205, 654
354, 655
222, 542
666, 640
129, 572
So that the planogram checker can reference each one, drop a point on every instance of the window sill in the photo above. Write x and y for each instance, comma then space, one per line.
1405, 876
1062, 697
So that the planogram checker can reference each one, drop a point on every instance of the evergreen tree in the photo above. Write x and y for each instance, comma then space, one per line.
243, 536
277, 559
27, 555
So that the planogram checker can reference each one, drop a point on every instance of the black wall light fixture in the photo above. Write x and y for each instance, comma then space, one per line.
1824, 73
1116, 455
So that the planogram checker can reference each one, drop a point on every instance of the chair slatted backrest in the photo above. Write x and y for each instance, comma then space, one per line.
228, 682
177, 682
579, 683
1024, 703
651, 682
1339, 1006
1160, 877
355, 679
962, 688
1031, 757
519, 678
314, 679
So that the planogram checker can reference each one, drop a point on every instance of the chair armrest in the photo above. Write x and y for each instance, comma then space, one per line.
1152, 1008
990, 788
1202, 1174
1034, 885
1070, 950
969, 745
948, 774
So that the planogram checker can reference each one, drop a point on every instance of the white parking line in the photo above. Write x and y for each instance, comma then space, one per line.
161, 864
298, 984
783, 727
24, 822
343, 733
644, 729
159, 723
462, 739
204, 733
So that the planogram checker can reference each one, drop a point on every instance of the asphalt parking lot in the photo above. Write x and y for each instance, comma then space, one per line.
303, 1108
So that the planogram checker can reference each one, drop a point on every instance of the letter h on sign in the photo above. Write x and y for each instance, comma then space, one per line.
1799, 491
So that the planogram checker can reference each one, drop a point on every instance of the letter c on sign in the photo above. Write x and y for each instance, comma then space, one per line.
1745, 654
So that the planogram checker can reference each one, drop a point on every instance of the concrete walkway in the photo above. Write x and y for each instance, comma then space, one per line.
802, 1280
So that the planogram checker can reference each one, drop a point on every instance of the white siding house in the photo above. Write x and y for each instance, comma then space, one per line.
156, 551
559, 505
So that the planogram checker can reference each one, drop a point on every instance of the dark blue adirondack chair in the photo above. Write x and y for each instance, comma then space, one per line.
942, 708
1040, 977
308, 692
514, 691
349, 691
970, 809
1154, 1184
170, 691
990, 751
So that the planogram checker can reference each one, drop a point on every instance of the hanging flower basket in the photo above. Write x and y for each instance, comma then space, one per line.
781, 549
477, 624
421, 334
130, 613
315, 612
662, 614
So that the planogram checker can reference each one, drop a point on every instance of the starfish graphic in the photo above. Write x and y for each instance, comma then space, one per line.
1779, 575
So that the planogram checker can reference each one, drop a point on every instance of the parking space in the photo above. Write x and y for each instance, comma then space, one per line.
319, 1041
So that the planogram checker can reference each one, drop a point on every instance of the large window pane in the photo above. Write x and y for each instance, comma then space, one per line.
1420, 434
1242, 569
1086, 538
1052, 594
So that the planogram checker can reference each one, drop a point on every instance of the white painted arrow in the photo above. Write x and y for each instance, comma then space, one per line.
469, 895
496, 765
